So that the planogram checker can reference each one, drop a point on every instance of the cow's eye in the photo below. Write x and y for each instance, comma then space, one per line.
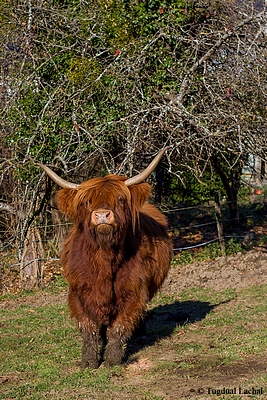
88, 203
121, 200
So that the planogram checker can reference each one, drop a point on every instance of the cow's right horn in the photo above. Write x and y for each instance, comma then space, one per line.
61, 182
145, 174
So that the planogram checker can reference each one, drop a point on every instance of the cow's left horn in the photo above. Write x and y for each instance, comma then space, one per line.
144, 174
61, 182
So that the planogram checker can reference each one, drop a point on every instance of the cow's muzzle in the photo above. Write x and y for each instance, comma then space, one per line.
102, 216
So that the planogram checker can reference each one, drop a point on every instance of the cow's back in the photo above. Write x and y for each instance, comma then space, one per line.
156, 246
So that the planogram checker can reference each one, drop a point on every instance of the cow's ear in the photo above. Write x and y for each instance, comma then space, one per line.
65, 201
139, 195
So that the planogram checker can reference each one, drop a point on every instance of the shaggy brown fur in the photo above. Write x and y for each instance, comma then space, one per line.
114, 266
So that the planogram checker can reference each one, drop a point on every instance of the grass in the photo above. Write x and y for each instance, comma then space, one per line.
41, 349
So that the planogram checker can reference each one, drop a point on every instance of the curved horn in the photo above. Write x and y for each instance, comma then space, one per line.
144, 174
61, 182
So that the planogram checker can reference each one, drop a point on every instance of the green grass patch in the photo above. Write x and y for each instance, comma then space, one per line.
41, 347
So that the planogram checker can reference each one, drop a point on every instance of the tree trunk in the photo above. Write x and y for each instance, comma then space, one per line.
234, 210
32, 269
231, 185
218, 216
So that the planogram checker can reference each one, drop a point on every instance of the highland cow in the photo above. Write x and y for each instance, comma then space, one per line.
116, 257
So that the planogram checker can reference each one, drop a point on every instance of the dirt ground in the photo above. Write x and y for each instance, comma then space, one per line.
239, 271
200, 383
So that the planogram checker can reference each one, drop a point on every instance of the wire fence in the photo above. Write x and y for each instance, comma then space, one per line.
184, 220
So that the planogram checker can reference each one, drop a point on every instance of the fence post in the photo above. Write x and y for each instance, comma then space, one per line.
218, 216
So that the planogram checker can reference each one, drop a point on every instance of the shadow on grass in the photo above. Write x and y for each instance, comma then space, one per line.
162, 320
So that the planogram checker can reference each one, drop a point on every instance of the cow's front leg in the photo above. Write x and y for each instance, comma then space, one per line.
118, 334
130, 311
116, 345
92, 346
90, 332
